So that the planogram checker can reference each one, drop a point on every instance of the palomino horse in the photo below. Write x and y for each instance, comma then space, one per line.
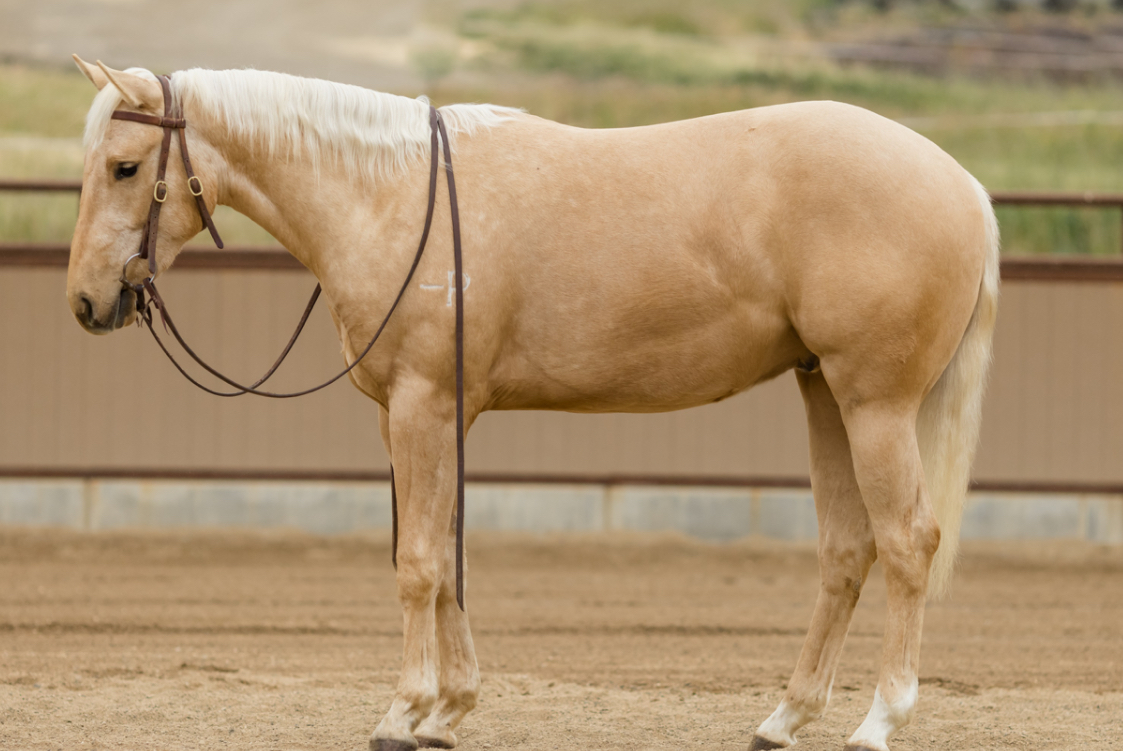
635, 270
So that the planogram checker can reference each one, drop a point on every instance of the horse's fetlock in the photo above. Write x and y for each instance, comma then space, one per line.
421, 700
811, 702
467, 698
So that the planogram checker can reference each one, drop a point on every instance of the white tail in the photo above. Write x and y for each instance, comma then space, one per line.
947, 426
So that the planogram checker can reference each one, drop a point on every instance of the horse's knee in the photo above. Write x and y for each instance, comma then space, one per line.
446, 590
419, 577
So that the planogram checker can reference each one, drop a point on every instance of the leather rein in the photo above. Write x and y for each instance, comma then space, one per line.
173, 120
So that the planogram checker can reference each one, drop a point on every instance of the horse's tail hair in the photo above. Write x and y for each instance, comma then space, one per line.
948, 422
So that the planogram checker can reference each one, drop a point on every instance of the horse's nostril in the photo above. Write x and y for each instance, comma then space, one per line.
87, 310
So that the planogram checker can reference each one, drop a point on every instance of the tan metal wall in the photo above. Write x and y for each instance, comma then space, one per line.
67, 399
1054, 411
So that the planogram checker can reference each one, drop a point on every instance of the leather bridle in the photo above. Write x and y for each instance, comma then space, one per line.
173, 120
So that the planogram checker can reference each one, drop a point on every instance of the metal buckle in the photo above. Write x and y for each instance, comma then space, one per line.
156, 191
192, 189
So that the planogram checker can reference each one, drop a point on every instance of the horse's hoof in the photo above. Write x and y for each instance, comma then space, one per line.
763, 744
391, 744
424, 742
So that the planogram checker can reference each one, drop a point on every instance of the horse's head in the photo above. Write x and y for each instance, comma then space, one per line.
118, 184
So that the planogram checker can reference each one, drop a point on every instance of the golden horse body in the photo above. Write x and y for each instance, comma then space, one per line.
640, 269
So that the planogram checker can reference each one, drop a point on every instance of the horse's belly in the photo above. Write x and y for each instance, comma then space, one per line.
653, 370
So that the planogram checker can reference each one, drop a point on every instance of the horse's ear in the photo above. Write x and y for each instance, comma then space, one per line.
139, 92
92, 72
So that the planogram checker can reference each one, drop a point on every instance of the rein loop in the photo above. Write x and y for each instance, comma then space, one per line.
173, 120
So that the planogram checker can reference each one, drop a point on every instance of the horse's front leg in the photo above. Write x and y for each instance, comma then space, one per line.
421, 427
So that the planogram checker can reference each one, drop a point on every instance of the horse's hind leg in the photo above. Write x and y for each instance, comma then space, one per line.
889, 471
846, 552
460, 676
422, 430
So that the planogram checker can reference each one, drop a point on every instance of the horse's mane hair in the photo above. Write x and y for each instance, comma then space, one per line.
370, 134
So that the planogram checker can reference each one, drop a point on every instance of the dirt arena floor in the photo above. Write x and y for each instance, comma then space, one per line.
288, 641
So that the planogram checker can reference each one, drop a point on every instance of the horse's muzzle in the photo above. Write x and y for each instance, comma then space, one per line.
122, 314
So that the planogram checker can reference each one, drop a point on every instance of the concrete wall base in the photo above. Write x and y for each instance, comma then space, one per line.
340, 507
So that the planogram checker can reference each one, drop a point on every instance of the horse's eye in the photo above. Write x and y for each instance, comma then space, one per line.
124, 170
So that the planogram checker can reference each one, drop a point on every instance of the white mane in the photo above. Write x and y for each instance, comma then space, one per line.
368, 133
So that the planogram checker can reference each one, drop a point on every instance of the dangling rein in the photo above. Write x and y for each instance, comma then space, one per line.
173, 120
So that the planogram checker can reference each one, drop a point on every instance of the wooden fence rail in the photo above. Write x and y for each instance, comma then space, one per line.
1033, 268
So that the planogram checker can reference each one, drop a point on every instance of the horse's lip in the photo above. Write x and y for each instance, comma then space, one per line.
126, 307
98, 328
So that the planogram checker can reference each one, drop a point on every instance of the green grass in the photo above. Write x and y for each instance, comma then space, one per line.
609, 64
43, 102
37, 217
1076, 158
50, 218
42, 112
597, 64
1060, 231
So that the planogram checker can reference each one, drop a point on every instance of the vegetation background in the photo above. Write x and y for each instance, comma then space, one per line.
1026, 95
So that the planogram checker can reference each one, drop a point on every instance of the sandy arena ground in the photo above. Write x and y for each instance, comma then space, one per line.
287, 641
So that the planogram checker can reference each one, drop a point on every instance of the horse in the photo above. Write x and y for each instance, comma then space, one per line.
636, 270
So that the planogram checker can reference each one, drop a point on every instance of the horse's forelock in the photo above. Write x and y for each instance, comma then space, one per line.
101, 111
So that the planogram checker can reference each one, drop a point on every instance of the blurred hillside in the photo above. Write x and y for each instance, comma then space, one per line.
395, 44
1063, 40
1026, 94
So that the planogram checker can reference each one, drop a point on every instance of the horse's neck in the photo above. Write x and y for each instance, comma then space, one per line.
312, 210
